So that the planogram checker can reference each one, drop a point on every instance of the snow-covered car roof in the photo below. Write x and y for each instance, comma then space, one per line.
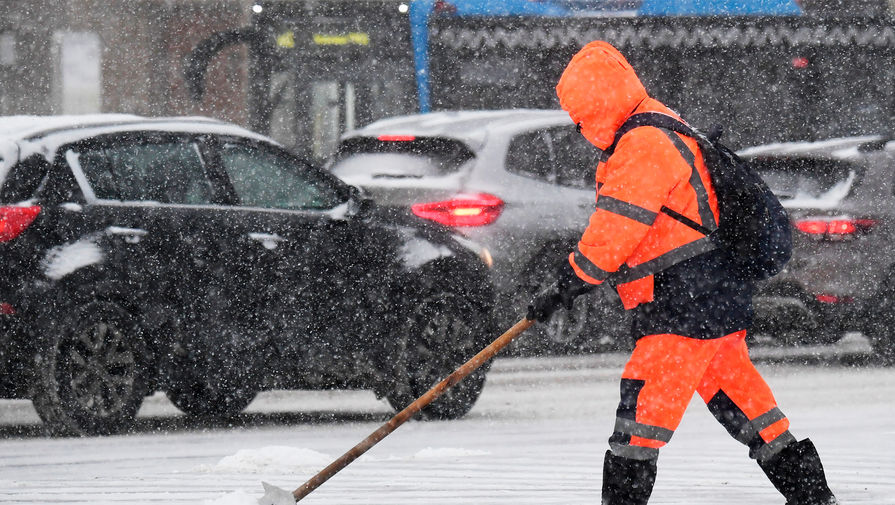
835, 148
23, 136
846, 150
471, 127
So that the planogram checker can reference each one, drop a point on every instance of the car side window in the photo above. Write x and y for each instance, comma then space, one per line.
530, 154
23, 180
558, 155
169, 171
265, 178
574, 157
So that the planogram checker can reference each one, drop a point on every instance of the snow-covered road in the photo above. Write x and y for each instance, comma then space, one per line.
536, 437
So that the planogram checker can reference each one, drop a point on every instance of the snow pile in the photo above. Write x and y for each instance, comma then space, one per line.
293, 460
272, 459
448, 452
234, 498
279, 459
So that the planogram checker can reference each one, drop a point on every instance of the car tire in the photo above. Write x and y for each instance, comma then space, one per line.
198, 399
443, 331
205, 386
827, 335
609, 323
91, 376
880, 324
596, 323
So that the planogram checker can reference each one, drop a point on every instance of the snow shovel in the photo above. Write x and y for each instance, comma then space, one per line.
277, 496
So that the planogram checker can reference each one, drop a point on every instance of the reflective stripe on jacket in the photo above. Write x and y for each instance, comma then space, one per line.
651, 174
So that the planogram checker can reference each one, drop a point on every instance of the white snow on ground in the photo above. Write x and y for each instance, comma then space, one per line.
537, 436
235, 498
447, 452
267, 459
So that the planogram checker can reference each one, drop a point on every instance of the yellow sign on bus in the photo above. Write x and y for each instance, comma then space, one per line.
286, 39
353, 38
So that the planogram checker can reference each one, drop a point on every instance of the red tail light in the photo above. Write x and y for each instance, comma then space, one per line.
14, 220
800, 62
834, 227
827, 298
396, 138
463, 210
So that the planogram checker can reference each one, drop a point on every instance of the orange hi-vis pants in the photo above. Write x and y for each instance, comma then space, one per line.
659, 381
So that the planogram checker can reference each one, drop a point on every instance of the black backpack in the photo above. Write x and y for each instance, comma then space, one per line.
753, 229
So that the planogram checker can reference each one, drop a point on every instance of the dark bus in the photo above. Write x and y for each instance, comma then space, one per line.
764, 79
319, 68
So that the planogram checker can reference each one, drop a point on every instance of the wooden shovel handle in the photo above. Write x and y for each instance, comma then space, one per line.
411, 410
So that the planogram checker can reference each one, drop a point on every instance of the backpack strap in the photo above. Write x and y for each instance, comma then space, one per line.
656, 119
702, 196
668, 124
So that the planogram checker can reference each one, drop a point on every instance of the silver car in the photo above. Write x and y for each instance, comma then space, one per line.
519, 182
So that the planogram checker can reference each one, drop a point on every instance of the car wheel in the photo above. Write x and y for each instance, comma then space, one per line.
441, 334
826, 335
880, 323
608, 321
596, 323
566, 327
199, 399
91, 378
204, 386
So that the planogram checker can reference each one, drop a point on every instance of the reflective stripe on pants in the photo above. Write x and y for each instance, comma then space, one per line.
661, 377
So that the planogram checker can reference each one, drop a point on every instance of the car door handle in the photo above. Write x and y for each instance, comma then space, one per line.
131, 235
268, 240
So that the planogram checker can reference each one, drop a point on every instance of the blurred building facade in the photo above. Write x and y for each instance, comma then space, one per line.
848, 7
87, 56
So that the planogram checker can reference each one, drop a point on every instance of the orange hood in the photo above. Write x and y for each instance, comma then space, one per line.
599, 90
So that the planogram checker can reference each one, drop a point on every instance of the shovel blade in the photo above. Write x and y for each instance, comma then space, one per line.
275, 496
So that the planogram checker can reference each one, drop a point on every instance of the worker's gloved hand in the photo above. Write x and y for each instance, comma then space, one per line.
561, 293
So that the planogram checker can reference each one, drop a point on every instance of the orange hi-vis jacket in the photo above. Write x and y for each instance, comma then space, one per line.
631, 234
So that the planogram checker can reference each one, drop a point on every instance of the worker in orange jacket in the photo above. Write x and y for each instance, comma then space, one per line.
690, 312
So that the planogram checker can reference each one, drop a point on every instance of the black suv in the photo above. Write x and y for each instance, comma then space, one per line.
195, 257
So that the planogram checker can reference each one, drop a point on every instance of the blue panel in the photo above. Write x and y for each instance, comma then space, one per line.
719, 8
507, 8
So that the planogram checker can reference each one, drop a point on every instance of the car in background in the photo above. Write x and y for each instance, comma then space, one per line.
194, 257
840, 194
520, 182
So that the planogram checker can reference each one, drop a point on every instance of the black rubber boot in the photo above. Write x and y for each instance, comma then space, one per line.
627, 481
799, 475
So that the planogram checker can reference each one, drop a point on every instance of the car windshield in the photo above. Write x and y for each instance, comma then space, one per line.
807, 181
399, 157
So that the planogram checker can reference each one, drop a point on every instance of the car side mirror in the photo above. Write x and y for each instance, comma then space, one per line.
361, 203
